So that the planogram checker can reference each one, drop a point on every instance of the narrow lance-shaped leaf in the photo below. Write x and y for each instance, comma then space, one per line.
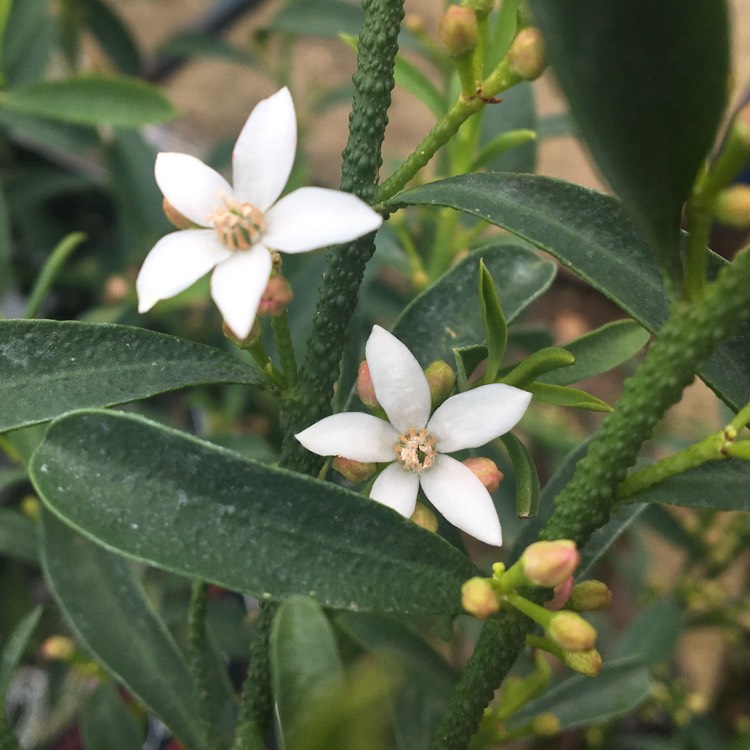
182, 504
527, 479
494, 323
646, 83
107, 722
563, 395
10, 657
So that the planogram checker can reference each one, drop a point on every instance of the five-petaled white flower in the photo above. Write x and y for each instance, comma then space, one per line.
244, 221
418, 442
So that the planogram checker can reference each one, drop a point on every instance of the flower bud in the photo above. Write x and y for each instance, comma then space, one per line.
116, 289
571, 632
458, 30
441, 379
276, 297
587, 663
550, 563
478, 598
480, 7
252, 338
562, 594
526, 55
733, 206
545, 725
58, 648
590, 595
425, 518
353, 471
486, 471
365, 388
174, 217
30, 507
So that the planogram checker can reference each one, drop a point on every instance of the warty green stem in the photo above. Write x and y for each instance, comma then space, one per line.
283, 338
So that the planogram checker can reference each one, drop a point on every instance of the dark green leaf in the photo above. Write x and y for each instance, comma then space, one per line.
653, 635
600, 351
578, 701
448, 315
324, 18
205, 45
191, 507
6, 270
494, 323
632, 73
536, 365
18, 536
305, 665
107, 722
113, 36
527, 479
13, 649
104, 603
604, 537
49, 367
467, 359
27, 42
43, 134
93, 99
563, 395
590, 234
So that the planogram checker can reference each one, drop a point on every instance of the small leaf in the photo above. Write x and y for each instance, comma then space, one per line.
600, 351
324, 18
467, 359
107, 722
494, 323
527, 479
113, 36
188, 506
562, 395
18, 536
104, 603
411, 79
305, 665
632, 72
12, 652
653, 635
49, 367
93, 99
604, 537
537, 365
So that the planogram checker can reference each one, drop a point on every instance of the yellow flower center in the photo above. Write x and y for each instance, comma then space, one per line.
238, 225
415, 450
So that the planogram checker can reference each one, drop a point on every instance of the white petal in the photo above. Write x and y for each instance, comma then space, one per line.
397, 489
312, 217
473, 418
360, 437
175, 262
264, 153
399, 382
193, 188
462, 499
237, 286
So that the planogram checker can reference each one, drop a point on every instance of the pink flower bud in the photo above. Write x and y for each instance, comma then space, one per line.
486, 471
441, 379
587, 663
562, 594
478, 598
276, 297
588, 596
458, 30
550, 563
353, 471
365, 388
571, 632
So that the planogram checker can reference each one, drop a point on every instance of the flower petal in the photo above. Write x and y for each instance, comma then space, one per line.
397, 489
264, 153
193, 188
175, 262
473, 418
312, 217
360, 437
462, 499
237, 286
399, 382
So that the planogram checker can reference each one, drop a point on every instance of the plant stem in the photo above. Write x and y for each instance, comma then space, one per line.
685, 341
197, 655
283, 337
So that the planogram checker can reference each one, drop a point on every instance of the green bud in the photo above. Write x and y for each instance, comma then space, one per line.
732, 206
588, 596
587, 663
550, 563
478, 598
441, 379
545, 725
480, 7
425, 518
353, 471
526, 55
458, 30
571, 632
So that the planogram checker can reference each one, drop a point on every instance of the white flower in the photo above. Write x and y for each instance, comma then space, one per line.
244, 221
418, 441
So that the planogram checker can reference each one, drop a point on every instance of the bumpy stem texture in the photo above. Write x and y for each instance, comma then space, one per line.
337, 299
684, 343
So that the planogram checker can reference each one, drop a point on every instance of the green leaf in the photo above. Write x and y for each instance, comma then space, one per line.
113, 36
327, 19
193, 44
49, 367
411, 79
589, 233
599, 351
42, 133
604, 537
527, 479
188, 506
448, 316
27, 41
105, 605
578, 701
562, 395
305, 665
6, 268
94, 99
18, 536
10, 656
719, 485
653, 635
632, 73
107, 722
467, 359
537, 365
494, 323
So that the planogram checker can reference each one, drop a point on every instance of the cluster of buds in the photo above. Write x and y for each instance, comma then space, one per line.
550, 565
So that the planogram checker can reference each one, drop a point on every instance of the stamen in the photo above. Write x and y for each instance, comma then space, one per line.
238, 225
415, 450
